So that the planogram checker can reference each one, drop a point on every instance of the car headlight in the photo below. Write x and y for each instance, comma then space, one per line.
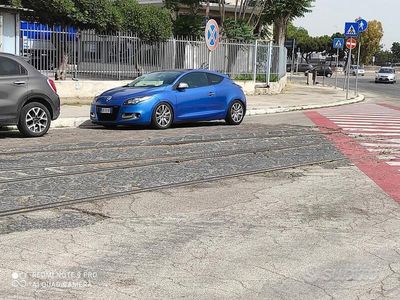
137, 100
95, 99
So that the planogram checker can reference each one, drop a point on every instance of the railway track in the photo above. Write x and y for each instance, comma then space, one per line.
104, 145
57, 204
139, 163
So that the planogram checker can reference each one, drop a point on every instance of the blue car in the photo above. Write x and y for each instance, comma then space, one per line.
164, 98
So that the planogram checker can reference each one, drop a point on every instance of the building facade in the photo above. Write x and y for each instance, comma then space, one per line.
9, 29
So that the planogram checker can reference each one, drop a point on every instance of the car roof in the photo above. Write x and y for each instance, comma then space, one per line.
186, 71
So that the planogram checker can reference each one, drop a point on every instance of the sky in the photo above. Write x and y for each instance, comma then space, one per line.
329, 16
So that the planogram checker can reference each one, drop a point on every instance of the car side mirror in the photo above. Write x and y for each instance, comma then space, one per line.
182, 86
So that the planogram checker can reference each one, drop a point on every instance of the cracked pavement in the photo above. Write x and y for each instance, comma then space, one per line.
316, 232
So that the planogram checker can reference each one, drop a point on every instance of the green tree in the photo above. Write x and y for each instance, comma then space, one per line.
371, 41
396, 52
281, 12
149, 22
238, 30
188, 25
383, 57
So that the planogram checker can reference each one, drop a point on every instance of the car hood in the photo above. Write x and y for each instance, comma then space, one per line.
120, 94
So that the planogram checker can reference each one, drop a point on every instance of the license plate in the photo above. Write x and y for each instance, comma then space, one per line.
105, 110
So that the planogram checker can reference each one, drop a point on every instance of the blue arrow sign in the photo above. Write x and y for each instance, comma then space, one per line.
338, 43
362, 25
351, 29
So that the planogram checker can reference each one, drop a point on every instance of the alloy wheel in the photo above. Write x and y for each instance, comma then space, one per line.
36, 120
163, 115
237, 112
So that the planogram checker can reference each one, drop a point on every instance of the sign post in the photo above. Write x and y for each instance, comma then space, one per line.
350, 31
338, 43
212, 38
362, 26
350, 44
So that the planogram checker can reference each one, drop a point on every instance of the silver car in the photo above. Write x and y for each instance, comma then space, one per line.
28, 99
354, 69
386, 75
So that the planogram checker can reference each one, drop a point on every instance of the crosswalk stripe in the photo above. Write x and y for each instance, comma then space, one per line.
371, 130
380, 145
369, 126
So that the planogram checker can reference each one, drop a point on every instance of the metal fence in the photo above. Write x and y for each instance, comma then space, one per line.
88, 54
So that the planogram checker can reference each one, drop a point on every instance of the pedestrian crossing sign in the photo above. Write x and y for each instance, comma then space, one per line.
351, 29
338, 43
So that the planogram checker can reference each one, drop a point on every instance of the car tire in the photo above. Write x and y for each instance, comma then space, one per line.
236, 113
163, 116
34, 120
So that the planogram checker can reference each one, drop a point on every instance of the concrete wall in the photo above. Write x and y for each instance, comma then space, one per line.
85, 90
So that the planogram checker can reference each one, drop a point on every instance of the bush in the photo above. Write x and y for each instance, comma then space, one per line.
259, 77
147, 21
189, 25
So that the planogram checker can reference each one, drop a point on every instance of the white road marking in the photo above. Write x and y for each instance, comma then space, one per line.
370, 130
380, 145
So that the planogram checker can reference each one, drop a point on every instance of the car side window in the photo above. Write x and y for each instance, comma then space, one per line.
214, 79
195, 79
9, 67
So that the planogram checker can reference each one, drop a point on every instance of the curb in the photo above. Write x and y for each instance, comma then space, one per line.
76, 122
256, 111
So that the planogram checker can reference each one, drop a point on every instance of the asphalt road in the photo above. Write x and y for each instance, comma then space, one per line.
190, 222
366, 85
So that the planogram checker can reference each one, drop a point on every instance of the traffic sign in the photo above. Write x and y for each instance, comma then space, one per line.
338, 43
362, 25
351, 29
351, 43
290, 43
212, 34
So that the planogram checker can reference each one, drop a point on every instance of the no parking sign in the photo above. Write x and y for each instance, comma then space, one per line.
212, 35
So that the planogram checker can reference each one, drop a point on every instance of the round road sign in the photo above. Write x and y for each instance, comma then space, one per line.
351, 43
212, 35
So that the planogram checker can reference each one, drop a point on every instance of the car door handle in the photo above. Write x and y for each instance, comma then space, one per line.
211, 94
19, 82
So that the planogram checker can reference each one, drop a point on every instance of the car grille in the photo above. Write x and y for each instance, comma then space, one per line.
107, 117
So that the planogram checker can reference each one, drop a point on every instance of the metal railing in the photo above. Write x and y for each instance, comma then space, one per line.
88, 54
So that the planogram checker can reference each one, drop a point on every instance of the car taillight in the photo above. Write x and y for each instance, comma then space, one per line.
52, 85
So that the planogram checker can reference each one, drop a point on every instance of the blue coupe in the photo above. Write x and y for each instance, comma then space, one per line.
167, 97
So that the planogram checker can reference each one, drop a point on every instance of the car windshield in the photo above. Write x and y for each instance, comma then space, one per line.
386, 71
156, 79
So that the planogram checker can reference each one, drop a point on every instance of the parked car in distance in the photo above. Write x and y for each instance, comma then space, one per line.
386, 74
322, 71
305, 67
354, 70
167, 97
28, 99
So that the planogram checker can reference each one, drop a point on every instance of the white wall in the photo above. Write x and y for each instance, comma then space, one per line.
1, 32
10, 40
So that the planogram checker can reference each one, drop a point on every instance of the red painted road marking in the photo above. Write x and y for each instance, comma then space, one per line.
384, 170
390, 106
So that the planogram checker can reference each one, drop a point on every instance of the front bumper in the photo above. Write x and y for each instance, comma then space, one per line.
384, 79
121, 114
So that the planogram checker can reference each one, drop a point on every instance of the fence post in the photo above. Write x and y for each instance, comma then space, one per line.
119, 55
269, 64
174, 55
255, 63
